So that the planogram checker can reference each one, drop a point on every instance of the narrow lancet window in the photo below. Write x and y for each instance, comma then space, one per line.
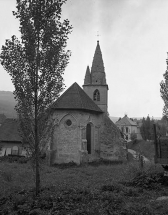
96, 95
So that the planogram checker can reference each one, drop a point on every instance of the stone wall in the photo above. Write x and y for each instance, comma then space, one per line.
68, 142
68, 138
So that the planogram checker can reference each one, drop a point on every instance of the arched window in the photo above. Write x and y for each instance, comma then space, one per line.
96, 95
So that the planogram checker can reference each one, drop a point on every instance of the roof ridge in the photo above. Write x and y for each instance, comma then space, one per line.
79, 95
75, 98
57, 100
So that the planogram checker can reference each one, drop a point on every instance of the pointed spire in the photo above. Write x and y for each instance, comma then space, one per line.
97, 70
87, 76
97, 65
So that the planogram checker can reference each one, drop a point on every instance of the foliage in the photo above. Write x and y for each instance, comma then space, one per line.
164, 94
7, 176
133, 137
42, 48
14, 159
36, 65
146, 180
89, 190
147, 128
146, 148
161, 126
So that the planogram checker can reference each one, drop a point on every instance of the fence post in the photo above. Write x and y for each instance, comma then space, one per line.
141, 161
155, 143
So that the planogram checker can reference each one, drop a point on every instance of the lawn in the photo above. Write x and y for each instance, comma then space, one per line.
90, 189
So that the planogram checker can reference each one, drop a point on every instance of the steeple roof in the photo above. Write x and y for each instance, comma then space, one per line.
87, 76
98, 75
97, 64
75, 98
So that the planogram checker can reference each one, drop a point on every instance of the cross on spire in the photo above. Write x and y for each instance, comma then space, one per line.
98, 35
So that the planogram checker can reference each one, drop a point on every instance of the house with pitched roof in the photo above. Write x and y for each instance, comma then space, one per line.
82, 130
2, 118
129, 126
10, 139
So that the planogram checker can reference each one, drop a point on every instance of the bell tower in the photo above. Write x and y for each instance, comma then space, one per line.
95, 81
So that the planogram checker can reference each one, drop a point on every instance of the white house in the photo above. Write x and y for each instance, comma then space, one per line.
129, 126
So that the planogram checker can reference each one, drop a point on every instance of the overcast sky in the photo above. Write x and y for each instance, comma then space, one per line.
134, 44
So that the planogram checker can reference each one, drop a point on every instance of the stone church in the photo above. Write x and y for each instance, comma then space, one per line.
82, 130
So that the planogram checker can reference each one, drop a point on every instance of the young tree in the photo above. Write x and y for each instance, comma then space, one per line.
143, 129
164, 91
36, 64
147, 128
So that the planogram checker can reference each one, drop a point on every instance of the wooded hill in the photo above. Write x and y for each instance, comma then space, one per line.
7, 104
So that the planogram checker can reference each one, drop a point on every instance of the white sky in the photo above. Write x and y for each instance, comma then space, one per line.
133, 40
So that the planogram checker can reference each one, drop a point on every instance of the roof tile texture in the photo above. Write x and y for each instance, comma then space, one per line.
75, 98
9, 130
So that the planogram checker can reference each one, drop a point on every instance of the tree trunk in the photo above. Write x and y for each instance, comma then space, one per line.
36, 120
36, 146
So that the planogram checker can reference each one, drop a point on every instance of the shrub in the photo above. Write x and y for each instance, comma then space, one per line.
146, 179
65, 165
105, 162
7, 176
133, 137
23, 160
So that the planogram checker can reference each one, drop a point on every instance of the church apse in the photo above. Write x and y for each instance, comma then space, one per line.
67, 144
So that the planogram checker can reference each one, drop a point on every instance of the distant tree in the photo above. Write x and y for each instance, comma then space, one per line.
164, 91
147, 128
36, 65
161, 126
143, 129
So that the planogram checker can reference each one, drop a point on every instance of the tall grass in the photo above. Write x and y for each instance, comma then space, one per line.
88, 189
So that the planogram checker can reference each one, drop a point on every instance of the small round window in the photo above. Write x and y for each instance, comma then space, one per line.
68, 122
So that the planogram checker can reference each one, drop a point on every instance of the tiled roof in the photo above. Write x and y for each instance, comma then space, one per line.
9, 130
75, 98
126, 121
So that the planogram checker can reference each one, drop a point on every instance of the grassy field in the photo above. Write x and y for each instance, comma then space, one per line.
91, 189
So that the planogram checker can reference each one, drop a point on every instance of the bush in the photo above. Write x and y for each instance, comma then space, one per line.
134, 137
148, 178
13, 159
23, 160
7, 176
65, 165
105, 162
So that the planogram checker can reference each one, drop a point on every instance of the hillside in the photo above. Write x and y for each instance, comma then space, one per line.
7, 104
146, 148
